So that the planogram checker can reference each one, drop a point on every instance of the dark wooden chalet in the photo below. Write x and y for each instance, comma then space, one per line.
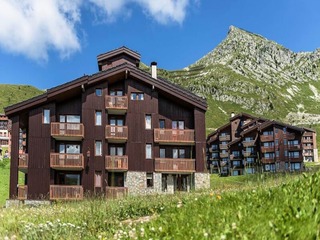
119, 131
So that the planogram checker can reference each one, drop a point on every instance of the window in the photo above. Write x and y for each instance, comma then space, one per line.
46, 116
285, 153
148, 151
116, 151
285, 141
137, 96
277, 142
277, 153
69, 148
116, 122
98, 118
98, 148
162, 124
118, 93
178, 153
149, 180
148, 121
98, 92
177, 124
162, 153
70, 118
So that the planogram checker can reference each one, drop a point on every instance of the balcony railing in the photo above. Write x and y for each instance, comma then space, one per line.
248, 154
66, 192
116, 134
248, 143
224, 138
294, 147
116, 192
117, 163
116, 104
223, 146
174, 136
175, 165
23, 162
266, 138
224, 155
61, 161
307, 140
22, 192
268, 160
308, 154
290, 136
308, 147
67, 131
267, 149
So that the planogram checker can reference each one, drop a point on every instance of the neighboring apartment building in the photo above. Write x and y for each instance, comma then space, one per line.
119, 131
5, 136
248, 144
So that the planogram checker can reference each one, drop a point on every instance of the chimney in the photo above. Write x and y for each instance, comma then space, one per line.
232, 114
154, 70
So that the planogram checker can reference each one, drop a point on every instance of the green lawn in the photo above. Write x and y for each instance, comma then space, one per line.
4, 181
278, 206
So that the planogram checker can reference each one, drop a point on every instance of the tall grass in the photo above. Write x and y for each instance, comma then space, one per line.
253, 207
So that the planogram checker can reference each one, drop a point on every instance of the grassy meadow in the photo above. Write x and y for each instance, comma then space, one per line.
266, 206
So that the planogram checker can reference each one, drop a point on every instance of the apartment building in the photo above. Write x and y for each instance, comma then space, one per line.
248, 144
117, 132
5, 136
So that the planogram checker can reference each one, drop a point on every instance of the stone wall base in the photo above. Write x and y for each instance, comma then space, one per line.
201, 181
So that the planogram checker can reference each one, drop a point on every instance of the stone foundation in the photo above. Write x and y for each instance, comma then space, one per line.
201, 181
136, 182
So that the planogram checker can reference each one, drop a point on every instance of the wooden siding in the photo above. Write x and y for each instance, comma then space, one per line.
66, 192
116, 192
174, 136
117, 163
66, 161
22, 192
67, 131
14, 157
174, 165
116, 104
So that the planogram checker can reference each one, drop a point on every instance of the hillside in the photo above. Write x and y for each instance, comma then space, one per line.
11, 94
247, 72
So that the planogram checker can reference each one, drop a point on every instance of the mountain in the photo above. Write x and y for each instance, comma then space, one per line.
11, 94
249, 73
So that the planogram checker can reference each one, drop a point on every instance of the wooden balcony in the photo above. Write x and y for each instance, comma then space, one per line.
175, 165
116, 104
116, 192
307, 147
216, 157
296, 159
116, 134
268, 160
249, 154
67, 131
235, 157
174, 136
295, 147
307, 140
290, 136
224, 155
224, 138
61, 161
23, 162
223, 146
66, 192
308, 154
22, 192
248, 143
266, 138
116, 163
267, 149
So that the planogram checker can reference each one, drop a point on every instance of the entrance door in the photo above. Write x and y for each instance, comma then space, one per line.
181, 182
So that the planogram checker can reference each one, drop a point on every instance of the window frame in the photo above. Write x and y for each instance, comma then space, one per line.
148, 121
96, 92
97, 153
148, 152
150, 183
46, 116
96, 123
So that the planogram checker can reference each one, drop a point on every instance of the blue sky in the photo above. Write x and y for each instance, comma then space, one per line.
46, 43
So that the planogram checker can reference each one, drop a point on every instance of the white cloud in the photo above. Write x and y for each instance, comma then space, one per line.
163, 11
34, 27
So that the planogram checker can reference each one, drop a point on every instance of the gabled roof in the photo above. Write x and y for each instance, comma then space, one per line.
242, 115
273, 122
219, 130
309, 129
125, 70
234, 141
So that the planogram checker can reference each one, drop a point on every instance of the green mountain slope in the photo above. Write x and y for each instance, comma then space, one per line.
11, 94
249, 73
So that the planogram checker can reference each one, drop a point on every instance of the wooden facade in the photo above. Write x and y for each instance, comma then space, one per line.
248, 144
89, 134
